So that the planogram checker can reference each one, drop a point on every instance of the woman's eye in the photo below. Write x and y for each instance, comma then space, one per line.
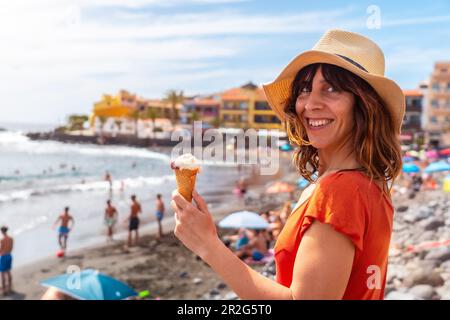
331, 89
304, 90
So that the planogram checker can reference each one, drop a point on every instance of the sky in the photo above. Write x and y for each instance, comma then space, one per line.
60, 56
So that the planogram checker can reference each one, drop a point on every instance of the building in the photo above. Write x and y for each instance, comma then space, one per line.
247, 107
200, 108
412, 131
438, 111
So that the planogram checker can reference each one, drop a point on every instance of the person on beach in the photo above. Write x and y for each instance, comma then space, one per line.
256, 246
109, 179
344, 117
63, 231
159, 214
133, 221
110, 219
6, 246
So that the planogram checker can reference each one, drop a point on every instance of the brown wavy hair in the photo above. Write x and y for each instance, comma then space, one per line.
375, 142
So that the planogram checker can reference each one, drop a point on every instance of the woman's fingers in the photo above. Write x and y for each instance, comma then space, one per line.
201, 203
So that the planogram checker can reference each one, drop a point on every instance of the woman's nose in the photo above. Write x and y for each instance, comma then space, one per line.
314, 101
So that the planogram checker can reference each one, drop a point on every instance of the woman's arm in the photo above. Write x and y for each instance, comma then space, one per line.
322, 267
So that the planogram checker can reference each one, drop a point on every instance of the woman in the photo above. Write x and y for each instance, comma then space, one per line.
344, 116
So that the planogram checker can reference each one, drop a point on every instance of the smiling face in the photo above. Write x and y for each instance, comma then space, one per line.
325, 112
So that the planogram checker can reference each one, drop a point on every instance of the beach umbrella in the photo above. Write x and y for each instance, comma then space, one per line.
303, 183
286, 147
410, 167
437, 166
432, 154
445, 152
408, 159
90, 284
280, 187
244, 219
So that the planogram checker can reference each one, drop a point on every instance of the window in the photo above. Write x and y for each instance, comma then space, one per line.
262, 105
436, 86
448, 86
433, 120
243, 105
435, 104
243, 118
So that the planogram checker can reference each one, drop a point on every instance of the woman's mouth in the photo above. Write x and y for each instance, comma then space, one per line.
317, 124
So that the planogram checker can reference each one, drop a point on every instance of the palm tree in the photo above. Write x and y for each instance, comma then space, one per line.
102, 120
118, 123
135, 115
174, 98
152, 114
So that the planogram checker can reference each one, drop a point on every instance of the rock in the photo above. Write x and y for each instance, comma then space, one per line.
445, 265
433, 204
402, 209
422, 291
221, 286
183, 274
421, 276
197, 281
214, 292
439, 254
427, 236
432, 223
397, 295
231, 296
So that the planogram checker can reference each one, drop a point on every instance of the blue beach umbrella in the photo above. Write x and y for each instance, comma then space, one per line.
437, 166
243, 219
286, 147
303, 183
410, 167
90, 285
408, 159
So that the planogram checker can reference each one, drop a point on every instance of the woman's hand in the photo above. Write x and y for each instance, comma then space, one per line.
194, 225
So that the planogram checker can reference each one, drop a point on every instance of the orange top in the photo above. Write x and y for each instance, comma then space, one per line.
358, 209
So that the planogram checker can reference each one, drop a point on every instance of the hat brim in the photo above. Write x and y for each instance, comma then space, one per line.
278, 91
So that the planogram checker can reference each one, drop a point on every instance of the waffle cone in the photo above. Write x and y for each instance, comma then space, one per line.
186, 182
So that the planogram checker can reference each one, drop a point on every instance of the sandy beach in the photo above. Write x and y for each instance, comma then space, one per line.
164, 266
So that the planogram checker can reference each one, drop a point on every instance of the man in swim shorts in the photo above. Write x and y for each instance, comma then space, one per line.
110, 219
63, 231
6, 246
134, 220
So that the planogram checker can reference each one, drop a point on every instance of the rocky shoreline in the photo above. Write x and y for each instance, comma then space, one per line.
419, 262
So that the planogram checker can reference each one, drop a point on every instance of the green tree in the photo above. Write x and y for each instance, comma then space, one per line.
118, 123
76, 122
195, 116
135, 116
102, 120
174, 98
152, 114
216, 122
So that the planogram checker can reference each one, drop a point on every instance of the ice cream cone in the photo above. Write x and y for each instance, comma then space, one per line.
186, 182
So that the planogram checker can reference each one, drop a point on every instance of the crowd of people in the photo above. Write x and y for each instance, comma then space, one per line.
252, 245
65, 223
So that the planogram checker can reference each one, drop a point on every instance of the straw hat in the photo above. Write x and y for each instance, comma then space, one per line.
347, 50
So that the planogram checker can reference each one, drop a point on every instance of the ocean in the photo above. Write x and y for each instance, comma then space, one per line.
39, 178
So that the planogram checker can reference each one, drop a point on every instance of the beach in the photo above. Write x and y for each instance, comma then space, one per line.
32, 199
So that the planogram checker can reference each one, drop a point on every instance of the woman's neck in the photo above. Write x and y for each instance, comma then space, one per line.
334, 161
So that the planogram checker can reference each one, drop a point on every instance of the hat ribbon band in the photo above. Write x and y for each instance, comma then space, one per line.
356, 64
